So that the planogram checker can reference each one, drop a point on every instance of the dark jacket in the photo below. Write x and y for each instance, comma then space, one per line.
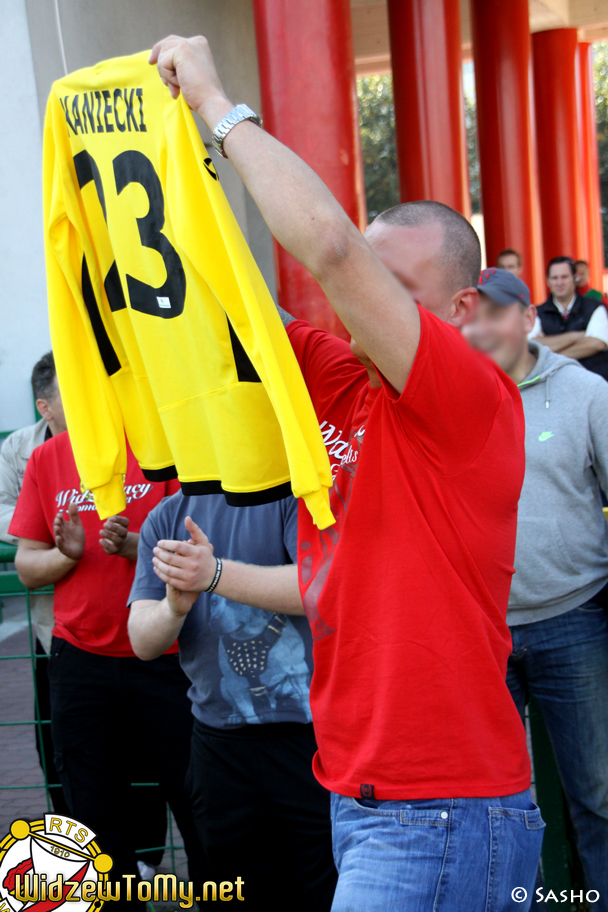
553, 323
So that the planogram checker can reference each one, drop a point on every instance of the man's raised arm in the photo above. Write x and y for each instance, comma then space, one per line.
303, 216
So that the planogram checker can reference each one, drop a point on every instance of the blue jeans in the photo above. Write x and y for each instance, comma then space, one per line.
563, 664
439, 855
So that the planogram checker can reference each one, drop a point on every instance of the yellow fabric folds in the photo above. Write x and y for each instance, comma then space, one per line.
161, 324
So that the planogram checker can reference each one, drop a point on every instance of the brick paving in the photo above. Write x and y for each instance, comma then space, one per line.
19, 764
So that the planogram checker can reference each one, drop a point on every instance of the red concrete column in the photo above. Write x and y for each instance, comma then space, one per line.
429, 107
559, 162
309, 102
509, 181
589, 158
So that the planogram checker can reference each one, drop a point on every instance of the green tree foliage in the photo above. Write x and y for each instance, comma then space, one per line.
470, 113
377, 122
600, 80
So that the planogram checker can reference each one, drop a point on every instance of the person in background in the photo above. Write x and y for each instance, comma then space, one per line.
557, 606
107, 707
260, 812
582, 279
150, 813
14, 455
570, 324
510, 260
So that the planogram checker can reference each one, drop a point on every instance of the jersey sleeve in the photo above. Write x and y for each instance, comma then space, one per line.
84, 354
451, 398
29, 520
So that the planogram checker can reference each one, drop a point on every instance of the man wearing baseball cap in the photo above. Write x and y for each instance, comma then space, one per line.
557, 607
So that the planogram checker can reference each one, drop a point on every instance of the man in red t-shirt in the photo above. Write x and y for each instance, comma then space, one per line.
108, 708
419, 739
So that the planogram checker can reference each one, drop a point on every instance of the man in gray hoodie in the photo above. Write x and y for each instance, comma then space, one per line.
557, 607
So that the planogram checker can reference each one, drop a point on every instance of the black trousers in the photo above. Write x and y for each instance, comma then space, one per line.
104, 710
262, 816
149, 806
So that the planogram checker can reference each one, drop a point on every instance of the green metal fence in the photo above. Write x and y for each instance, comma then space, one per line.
11, 586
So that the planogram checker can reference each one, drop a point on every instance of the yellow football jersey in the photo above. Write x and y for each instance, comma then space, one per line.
161, 324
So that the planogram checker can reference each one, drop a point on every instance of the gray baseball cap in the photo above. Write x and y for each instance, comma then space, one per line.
503, 288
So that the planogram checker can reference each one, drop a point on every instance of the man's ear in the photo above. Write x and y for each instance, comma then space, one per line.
529, 318
464, 305
44, 409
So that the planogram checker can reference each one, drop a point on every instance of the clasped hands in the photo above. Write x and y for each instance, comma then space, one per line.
70, 536
187, 567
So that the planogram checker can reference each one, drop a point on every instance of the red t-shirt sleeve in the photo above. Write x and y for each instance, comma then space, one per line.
326, 362
29, 520
451, 398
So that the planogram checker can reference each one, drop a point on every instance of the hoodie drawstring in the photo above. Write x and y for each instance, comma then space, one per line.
547, 397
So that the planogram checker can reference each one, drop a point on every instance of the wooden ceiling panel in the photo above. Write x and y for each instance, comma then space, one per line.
370, 26
370, 37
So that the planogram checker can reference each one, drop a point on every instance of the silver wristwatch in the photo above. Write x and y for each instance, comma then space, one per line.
241, 112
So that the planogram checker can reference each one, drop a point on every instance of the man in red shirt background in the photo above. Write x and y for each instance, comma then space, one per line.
108, 708
419, 739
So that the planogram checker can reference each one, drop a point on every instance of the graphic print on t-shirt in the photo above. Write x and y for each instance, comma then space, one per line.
334, 444
262, 662
85, 500
340, 494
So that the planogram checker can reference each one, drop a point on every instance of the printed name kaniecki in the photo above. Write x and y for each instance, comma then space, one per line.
91, 110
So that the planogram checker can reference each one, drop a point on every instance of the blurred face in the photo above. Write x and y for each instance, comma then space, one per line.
509, 262
561, 282
410, 253
501, 332
51, 410
582, 274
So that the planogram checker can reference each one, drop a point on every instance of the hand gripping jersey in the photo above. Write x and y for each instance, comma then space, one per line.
161, 323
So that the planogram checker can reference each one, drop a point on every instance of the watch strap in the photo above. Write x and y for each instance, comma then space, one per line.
237, 115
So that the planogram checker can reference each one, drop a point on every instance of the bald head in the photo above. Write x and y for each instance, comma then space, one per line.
459, 253
432, 249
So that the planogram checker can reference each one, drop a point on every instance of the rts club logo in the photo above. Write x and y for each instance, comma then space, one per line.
48, 863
